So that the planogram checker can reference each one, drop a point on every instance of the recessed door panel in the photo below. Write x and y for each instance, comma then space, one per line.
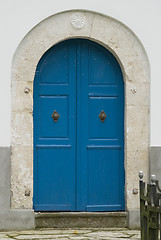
102, 66
55, 190
57, 106
104, 171
55, 66
103, 117
78, 129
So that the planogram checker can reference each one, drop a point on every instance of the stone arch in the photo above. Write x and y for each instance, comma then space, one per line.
128, 50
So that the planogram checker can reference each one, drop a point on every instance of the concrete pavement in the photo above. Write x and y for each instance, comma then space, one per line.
70, 234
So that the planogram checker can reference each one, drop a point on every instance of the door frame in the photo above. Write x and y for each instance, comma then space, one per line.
133, 60
79, 148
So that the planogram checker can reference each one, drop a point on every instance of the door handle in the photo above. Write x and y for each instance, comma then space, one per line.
102, 116
55, 116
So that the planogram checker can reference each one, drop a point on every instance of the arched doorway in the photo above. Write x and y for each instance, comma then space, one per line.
78, 129
131, 55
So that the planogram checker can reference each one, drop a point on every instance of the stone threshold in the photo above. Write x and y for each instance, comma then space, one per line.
80, 219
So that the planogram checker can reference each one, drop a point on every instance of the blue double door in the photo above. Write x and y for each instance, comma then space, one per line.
78, 129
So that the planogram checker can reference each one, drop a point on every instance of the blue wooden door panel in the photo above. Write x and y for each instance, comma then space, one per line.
55, 66
48, 128
109, 106
78, 160
104, 172
102, 65
82, 124
55, 142
55, 190
101, 144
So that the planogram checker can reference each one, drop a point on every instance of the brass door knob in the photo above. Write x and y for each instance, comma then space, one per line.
102, 116
55, 116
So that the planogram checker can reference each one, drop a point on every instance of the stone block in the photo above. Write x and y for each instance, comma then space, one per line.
22, 177
134, 219
81, 220
137, 128
24, 101
22, 128
5, 179
134, 94
155, 162
17, 220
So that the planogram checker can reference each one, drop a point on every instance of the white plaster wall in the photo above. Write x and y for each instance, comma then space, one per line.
18, 17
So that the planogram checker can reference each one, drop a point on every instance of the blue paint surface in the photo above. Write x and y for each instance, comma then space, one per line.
78, 160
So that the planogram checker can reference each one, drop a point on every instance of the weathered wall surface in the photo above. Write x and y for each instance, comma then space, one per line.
155, 162
5, 168
135, 67
11, 219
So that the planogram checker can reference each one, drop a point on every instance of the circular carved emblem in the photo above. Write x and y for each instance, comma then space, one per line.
78, 20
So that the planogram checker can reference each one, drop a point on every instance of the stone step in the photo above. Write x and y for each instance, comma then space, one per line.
80, 219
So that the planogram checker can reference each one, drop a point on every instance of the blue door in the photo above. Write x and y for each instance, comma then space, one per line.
78, 129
